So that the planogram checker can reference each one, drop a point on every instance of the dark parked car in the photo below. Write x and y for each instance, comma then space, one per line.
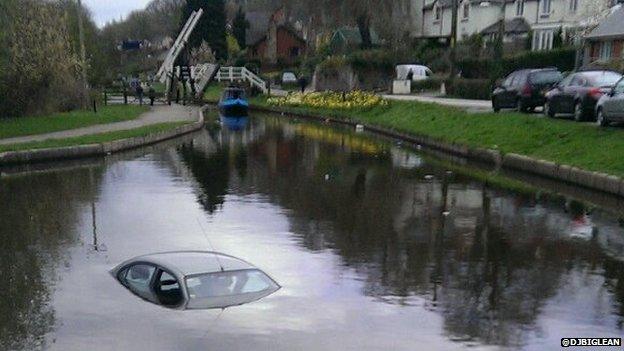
524, 90
579, 92
610, 107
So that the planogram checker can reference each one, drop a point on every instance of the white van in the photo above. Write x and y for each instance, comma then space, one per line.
419, 72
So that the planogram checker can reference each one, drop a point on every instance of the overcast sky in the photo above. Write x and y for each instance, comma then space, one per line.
106, 10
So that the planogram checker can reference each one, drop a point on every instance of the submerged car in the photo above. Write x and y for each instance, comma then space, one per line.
578, 94
525, 90
194, 280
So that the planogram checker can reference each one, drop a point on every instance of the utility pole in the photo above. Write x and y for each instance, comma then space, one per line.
83, 54
500, 50
453, 40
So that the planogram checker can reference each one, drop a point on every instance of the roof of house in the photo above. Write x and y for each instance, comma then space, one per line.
352, 35
513, 26
258, 25
287, 27
612, 26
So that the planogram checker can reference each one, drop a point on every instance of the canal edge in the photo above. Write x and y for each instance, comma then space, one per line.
568, 174
99, 149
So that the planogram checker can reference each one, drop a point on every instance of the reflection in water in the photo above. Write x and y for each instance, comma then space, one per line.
376, 247
37, 223
487, 260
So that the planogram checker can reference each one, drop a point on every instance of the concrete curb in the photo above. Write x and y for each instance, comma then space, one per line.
101, 149
564, 173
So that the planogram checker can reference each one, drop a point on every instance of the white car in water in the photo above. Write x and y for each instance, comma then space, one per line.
194, 279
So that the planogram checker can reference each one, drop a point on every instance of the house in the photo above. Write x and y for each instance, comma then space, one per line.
606, 42
347, 39
273, 39
541, 19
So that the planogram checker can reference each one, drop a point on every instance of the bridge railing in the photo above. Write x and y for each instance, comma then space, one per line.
240, 74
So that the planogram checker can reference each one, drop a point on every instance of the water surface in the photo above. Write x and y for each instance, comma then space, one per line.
376, 248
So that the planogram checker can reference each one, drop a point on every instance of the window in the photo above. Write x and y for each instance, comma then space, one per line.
574, 5
466, 10
519, 7
138, 278
606, 50
543, 39
168, 290
438, 13
546, 7
619, 88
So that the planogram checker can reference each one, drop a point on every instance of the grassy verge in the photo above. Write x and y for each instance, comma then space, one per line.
560, 141
95, 138
14, 127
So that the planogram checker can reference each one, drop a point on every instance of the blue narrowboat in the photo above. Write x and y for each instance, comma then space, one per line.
234, 103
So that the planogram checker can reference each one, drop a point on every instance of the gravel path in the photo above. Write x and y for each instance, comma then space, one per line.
157, 114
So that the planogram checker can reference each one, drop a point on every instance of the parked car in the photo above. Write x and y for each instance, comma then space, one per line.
525, 90
194, 280
610, 107
289, 78
419, 72
578, 94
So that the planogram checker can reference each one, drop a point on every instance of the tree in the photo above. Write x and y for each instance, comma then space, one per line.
211, 27
239, 28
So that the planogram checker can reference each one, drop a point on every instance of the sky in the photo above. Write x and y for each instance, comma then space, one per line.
104, 11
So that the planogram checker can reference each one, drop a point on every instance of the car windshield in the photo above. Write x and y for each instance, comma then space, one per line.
229, 283
546, 77
603, 78
234, 94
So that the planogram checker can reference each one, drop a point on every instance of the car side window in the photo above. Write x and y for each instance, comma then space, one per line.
577, 81
167, 289
508, 82
619, 88
138, 278
566, 82
521, 79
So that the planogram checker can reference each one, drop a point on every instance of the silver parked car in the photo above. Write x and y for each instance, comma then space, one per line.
610, 107
194, 279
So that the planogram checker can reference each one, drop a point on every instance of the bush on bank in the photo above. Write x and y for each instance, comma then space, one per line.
563, 59
475, 89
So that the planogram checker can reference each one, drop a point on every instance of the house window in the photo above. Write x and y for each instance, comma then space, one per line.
294, 52
519, 7
466, 10
606, 50
438, 13
574, 5
543, 39
546, 7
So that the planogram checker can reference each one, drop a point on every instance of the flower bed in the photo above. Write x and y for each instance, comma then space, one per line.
347, 101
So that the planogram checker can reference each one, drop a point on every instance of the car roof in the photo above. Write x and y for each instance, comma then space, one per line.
187, 263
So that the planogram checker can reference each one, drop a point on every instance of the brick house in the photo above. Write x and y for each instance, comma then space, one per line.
280, 43
606, 42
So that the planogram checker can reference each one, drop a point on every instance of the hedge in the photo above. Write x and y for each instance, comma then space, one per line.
430, 84
563, 59
476, 89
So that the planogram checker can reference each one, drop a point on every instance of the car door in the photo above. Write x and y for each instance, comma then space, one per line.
555, 96
568, 95
507, 97
613, 107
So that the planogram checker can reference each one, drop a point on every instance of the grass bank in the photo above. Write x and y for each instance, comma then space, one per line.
94, 138
15, 127
559, 141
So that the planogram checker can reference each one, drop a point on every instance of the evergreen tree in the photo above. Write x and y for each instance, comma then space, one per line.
239, 28
211, 27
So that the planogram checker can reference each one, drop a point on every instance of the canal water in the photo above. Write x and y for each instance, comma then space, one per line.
376, 247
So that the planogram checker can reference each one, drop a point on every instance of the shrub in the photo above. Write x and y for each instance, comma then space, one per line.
433, 83
563, 59
350, 100
478, 89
